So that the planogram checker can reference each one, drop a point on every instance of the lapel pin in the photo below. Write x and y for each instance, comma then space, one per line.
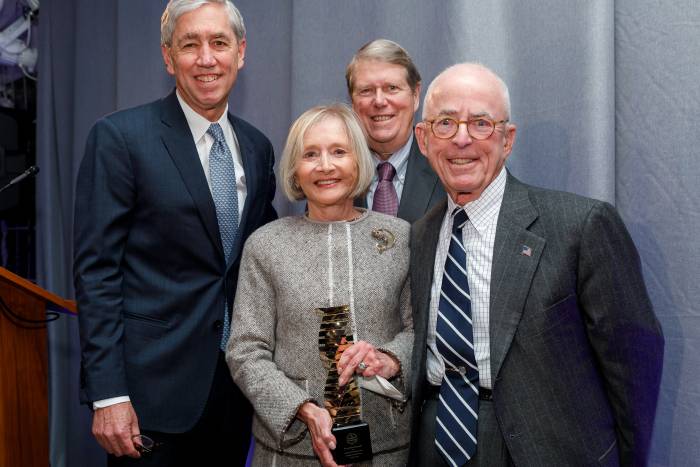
526, 251
386, 239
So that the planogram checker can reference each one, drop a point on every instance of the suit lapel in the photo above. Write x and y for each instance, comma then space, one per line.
424, 242
252, 166
516, 254
419, 185
361, 201
177, 139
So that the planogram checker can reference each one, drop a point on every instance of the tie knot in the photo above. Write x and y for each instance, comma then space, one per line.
216, 132
386, 171
459, 219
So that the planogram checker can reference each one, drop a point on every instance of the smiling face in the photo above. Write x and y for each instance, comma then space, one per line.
466, 166
326, 169
204, 58
385, 103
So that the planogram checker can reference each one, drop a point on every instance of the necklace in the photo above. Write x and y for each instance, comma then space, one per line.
353, 219
355, 216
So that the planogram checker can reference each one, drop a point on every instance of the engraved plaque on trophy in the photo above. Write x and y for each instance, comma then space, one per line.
353, 443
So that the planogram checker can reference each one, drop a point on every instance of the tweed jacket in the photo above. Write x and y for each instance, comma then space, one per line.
576, 350
291, 267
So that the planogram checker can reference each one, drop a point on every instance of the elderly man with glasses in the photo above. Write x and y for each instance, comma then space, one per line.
535, 340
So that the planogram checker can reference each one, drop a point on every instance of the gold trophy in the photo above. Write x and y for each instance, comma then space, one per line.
353, 443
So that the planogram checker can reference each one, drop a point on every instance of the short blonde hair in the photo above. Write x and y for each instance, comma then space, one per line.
295, 145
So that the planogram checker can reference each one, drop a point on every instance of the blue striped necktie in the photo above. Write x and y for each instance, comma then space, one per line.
457, 414
222, 174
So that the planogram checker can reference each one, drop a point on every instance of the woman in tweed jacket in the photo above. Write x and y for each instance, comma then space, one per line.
336, 254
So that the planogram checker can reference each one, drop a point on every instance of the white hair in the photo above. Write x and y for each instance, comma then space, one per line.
177, 8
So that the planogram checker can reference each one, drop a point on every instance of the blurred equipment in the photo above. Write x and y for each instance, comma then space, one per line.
15, 38
18, 59
33, 170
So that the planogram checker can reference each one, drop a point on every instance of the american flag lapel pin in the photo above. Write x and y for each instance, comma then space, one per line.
526, 251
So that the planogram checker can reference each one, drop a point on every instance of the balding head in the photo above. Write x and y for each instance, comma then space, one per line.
465, 133
469, 72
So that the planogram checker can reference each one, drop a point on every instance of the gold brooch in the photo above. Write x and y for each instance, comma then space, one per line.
385, 239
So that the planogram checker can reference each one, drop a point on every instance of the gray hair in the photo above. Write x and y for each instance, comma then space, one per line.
295, 145
505, 94
177, 8
386, 51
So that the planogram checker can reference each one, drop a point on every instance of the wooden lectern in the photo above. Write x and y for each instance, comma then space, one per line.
24, 408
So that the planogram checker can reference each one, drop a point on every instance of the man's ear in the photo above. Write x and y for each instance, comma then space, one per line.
241, 53
416, 97
509, 140
165, 50
422, 138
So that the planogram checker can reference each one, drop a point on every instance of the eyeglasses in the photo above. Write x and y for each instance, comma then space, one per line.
144, 444
478, 128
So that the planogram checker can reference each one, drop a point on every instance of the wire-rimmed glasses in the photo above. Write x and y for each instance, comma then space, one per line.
144, 444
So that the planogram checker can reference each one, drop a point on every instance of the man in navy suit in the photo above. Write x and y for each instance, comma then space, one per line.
384, 87
159, 227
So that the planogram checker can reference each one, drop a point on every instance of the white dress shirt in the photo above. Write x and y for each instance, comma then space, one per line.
203, 142
400, 162
478, 235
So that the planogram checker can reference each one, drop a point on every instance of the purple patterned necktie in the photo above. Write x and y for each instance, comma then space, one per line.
385, 198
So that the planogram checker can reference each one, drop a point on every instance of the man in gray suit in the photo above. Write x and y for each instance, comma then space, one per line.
384, 87
558, 358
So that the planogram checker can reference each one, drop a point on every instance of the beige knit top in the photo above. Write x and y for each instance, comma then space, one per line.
289, 268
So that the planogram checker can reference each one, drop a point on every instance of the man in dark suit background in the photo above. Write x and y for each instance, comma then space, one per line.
384, 87
558, 357
167, 194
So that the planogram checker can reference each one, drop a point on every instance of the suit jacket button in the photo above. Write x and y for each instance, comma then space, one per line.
218, 324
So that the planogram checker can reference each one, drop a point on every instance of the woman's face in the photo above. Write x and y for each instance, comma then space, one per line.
326, 169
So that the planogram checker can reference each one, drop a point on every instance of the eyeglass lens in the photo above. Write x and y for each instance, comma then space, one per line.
478, 128
143, 443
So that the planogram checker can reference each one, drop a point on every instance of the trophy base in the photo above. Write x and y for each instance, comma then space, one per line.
352, 443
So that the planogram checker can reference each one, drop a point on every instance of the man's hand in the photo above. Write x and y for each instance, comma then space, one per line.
114, 427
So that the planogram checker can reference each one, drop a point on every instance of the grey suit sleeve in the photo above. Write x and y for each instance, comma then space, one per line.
249, 353
103, 204
622, 328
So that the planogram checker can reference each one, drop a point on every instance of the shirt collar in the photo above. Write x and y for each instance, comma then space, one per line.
198, 124
484, 210
399, 159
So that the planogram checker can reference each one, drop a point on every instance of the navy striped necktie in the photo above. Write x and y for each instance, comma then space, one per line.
458, 408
